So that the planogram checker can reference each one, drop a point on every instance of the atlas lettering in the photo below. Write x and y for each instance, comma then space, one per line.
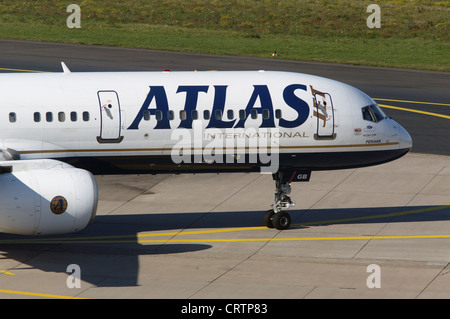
262, 93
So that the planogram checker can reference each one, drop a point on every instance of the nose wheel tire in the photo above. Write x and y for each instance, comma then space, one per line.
280, 220
268, 216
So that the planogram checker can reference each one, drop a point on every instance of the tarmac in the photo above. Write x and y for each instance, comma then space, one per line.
201, 236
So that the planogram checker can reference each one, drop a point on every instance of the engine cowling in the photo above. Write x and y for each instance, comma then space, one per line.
43, 197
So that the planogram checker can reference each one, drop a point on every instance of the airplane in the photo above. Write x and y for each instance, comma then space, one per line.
58, 130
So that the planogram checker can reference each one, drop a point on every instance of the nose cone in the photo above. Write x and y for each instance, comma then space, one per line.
405, 140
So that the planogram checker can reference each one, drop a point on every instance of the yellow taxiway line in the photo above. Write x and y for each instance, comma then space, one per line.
293, 239
21, 70
26, 293
415, 102
143, 238
414, 111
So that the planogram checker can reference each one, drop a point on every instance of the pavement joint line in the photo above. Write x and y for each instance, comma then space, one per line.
431, 281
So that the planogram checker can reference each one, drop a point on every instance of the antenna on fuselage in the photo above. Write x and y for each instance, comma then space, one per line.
65, 68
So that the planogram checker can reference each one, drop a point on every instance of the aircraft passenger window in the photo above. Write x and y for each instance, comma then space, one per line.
266, 114
147, 115
170, 115
218, 115
37, 116
278, 114
254, 114
73, 116
61, 116
206, 115
12, 117
194, 114
230, 114
85, 116
242, 114
49, 116
183, 115
159, 115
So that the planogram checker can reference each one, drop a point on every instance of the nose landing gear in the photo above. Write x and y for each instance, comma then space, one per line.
275, 217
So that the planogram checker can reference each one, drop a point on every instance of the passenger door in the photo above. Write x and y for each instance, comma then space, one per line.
110, 117
325, 115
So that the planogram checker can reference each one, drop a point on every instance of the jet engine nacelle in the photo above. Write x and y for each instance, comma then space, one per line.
43, 197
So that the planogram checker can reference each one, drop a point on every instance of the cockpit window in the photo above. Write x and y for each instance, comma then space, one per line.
373, 113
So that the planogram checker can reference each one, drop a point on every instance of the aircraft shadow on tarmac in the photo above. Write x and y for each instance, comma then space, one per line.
108, 250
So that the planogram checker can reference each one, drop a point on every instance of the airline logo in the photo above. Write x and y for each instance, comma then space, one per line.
58, 205
159, 95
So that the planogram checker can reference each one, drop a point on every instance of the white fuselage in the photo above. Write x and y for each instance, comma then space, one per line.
118, 117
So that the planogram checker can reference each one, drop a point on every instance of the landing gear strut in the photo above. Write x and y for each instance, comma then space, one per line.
275, 217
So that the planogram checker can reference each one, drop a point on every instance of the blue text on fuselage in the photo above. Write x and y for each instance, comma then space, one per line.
261, 92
